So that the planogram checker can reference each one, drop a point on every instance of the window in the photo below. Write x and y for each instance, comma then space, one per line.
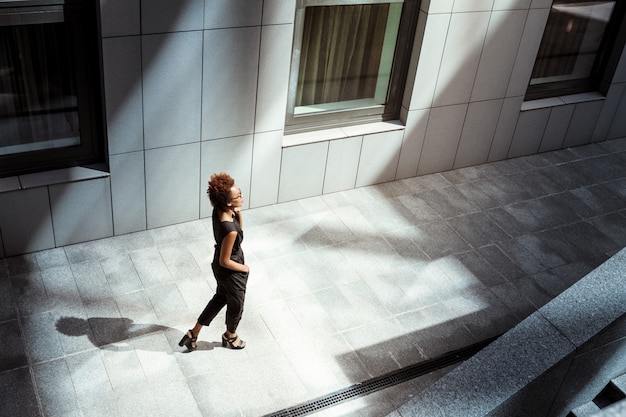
575, 47
50, 109
349, 62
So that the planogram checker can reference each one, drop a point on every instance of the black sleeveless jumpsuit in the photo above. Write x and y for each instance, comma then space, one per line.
231, 285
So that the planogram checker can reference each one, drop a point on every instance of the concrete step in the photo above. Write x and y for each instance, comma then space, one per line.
613, 392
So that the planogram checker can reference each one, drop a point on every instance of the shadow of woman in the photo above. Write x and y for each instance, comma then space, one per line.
109, 332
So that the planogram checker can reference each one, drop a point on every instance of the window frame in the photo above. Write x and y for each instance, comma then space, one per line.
81, 18
611, 45
397, 80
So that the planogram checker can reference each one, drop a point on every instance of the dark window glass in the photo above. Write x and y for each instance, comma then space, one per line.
349, 62
49, 88
574, 48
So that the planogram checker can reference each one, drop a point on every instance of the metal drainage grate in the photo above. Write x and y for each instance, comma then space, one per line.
381, 382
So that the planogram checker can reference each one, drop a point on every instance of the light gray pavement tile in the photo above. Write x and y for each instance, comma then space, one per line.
107, 248
613, 225
600, 199
474, 266
515, 219
136, 306
506, 191
591, 242
260, 289
180, 262
51, 258
618, 188
174, 397
565, 249
60, 286
140, 400
383, 346
536, 160
313, 269
356, 222
21, 265
196, 293
121, 274
510, 166
478, 193
105, 322
570, 202
391, 189
519, 306
41, 337
550, 282
437, 239
81, 252
90, 280
374, 255
150, 267
541, 250
586, 168
561, 156
404, 246
18, 394
551, 213
448, 202
156, 358
464, 175
364, 299
311, 315
135, 241
563, 174
274, 240
55, 388
423, 284
536, 184
30, 293
420, 211
314, 205
332, 226
73, 329
526, 260
202, 252
14, 354
259, 339
388, 292
195, 229
435, 331
124, 370
8, 305
478, 229
484, 314
166, 235
342, 313
499, 260
91, 381
319, 370
284, 277
168, 303
425, 182
606, 167
388, 214
283, 324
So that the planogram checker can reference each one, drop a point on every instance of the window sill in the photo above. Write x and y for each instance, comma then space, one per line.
561, 101
59, 176
340, 133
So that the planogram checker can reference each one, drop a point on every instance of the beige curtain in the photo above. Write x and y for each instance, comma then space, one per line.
341, 51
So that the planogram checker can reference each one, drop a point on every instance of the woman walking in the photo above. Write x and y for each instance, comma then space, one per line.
228, 264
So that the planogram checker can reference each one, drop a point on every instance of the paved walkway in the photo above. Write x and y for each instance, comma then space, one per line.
343, 288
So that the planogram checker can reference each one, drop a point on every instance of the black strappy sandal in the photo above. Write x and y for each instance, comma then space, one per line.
230, 342
188, 342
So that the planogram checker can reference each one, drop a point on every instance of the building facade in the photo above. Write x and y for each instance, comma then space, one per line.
193, 87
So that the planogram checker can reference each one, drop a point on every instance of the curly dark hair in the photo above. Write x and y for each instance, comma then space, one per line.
219, 190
